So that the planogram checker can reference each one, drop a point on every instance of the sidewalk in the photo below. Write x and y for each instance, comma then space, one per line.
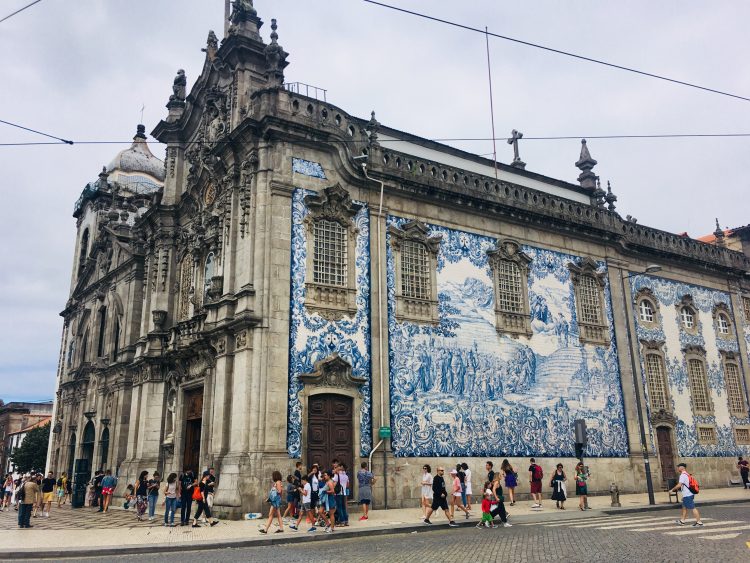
83, 532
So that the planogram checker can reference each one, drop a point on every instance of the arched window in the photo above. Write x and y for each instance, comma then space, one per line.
722, 324
83, 250
646, 311
510, 271
591, 306
85, 346
657, 388
510, 297
87, 444
102, 329
104, 448
71, 454
589, 284
208, 272
116, 340
687, 318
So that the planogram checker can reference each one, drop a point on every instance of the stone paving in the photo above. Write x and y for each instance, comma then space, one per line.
70, 529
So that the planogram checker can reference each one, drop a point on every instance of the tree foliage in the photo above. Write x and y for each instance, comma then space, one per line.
31, 455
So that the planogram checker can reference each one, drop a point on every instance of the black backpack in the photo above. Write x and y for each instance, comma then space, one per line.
21, 494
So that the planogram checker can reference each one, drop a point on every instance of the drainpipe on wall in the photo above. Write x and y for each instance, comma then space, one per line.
381, 376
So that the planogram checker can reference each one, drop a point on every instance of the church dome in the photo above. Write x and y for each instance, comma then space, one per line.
138, 160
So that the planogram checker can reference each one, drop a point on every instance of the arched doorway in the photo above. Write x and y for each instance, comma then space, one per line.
330, 430
104, 448
71, 454
87, 444
666, 453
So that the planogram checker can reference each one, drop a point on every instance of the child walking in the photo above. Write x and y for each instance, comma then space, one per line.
486, 520
305, 510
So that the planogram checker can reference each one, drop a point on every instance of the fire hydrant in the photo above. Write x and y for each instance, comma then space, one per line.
615, 494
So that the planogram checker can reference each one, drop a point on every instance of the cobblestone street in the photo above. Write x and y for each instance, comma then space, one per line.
652, 537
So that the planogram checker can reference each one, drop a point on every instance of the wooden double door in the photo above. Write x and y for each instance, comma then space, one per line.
666, 453
330, 430
193, 427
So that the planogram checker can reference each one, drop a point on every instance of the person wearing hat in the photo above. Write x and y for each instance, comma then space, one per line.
486, 520
688, 497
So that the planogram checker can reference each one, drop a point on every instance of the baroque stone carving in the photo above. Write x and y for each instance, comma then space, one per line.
508, 254
179, 87
332, 371
590, 331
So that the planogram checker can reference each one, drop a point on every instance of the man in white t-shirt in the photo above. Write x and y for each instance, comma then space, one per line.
305, 491
688, 497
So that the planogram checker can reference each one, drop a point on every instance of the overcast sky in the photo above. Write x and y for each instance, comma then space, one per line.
83, 73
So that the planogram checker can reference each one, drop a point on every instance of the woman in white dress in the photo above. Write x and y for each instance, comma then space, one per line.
467, 482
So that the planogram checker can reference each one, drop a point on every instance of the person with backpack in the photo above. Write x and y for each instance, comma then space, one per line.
187, 484
689, 488
274, 499
535, 480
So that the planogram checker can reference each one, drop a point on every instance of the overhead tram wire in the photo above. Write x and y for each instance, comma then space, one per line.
66, 141
19, 10
559, 51
414, 142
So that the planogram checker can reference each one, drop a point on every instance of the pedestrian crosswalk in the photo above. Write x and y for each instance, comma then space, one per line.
712, 529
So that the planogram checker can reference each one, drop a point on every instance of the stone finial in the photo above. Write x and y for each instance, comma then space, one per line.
610, 198
140, 132
719, 234
515, 137
275, 59
599, 194
179, 87
212, 45
372, 128
585, 164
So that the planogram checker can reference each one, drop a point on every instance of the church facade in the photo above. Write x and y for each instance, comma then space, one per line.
296, 283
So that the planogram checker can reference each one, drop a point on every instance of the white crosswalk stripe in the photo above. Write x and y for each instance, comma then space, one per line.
665, 525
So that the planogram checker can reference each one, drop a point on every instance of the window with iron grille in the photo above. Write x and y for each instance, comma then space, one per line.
330, 253
656, 386
746, 308
646, 310
415, 271
722, 323
510, 298
706, 434
742, 435
590, 304
687, 318
698, 387
734, 389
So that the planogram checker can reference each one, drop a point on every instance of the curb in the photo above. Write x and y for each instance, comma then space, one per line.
292, 538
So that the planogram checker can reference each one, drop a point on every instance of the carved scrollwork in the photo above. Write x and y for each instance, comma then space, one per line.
332, 371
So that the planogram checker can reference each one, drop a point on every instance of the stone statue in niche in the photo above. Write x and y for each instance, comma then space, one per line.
171, 413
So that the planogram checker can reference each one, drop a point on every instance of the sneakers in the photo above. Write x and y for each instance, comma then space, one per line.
452, 524
507, 525
328, 530
362, 518
426, 521
262, 530
292, 527
467, 515
479, 525
679, 522
536, 505
312, 529
697, 524
214, 523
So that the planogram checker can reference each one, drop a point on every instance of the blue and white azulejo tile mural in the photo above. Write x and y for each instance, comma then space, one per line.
461, 389
673, 340
313, 338
308, 168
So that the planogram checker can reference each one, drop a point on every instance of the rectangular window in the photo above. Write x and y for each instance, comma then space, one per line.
655, 377
510, 298
415, 271
706, 435
330, 253
746, 308
102, 326
734, 389
590, 306
742, 436
698, 387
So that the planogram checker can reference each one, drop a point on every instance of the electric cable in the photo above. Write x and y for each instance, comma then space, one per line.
19, 10
67, 142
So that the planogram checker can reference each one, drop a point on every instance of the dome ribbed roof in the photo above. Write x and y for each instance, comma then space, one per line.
138, 159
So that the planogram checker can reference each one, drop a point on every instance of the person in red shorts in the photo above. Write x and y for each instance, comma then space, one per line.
535, 480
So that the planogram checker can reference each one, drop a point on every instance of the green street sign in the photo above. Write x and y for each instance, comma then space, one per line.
384, 432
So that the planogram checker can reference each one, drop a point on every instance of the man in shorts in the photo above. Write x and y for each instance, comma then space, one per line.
306, 510
535, 481
688, 497
439, 498
48, 493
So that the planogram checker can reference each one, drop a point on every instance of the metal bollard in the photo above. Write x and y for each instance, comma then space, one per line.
615, 494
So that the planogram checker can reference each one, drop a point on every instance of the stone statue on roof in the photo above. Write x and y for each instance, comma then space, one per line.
179, 86
242, 10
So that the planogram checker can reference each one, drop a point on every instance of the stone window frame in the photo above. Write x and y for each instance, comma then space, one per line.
186, 269
590, 333
742, 441
414, 309
692, 354
732, 359
720, 311
515, 323
746, 307
655, 349
703, 439
646, 295
687, 302
332, 302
